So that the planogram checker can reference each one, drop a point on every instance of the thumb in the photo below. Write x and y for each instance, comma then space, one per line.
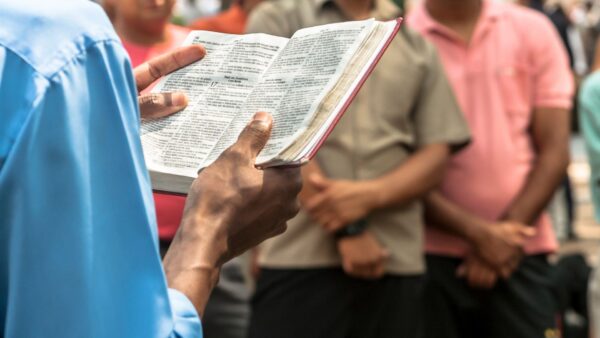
385, 253
461, 271
528, 231
256, 134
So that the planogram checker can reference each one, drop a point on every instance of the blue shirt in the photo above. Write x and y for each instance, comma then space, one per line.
78, 241
589, 122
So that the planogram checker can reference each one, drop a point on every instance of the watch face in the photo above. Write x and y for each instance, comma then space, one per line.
352, 229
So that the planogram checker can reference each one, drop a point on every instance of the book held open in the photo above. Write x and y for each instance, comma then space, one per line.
305, 82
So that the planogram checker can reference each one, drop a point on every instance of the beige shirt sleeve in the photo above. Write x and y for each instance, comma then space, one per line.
438, 118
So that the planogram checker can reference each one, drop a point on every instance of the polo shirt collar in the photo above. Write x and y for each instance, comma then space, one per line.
490, 12
384, 9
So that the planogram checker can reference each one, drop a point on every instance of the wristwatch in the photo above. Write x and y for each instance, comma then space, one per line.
352, 229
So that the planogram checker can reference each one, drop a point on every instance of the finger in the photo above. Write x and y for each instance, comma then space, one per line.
517, 240
150, 71
506, 272
363, 271
255, 136
483, 277
347, 266
350, 268
324, 219
473, 274
510, 268
528, 232
334, 225
157, 105
491, 282
378, 271
370, 267
319, 182
316, 203
462, 270
474, 279
385, 254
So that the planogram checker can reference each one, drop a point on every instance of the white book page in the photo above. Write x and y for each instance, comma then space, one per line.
294, 85
217, 87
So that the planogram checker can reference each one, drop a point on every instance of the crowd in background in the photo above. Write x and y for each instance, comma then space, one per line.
482, 121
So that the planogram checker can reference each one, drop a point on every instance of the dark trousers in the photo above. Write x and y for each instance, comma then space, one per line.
522, 307
326, 303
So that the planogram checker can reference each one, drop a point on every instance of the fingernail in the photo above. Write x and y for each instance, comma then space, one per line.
201, 50
179, 99
262, 117
262, 120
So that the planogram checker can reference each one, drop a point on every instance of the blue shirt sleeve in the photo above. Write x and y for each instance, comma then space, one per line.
78, 242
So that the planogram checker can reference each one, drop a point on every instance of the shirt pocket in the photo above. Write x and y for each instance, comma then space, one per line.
514, 81
394, 93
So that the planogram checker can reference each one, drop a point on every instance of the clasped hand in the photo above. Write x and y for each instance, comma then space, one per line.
496, 253
335, 204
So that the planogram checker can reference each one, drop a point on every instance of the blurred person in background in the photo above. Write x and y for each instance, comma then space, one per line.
145, 31
488, 236
589, 113
351, 264
232, 20
186, 11
568, 17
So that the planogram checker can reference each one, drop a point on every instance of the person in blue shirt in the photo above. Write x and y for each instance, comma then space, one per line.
78, 242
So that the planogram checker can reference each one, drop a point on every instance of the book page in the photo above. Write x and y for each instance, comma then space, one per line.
217, 87
294, 85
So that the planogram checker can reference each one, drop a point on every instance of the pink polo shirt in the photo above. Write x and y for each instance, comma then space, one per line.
514, 63
142, 53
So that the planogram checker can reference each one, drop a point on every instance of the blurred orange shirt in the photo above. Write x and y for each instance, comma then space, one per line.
231, 21
514, 63
169, 208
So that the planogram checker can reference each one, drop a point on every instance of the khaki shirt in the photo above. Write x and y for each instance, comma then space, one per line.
406, 103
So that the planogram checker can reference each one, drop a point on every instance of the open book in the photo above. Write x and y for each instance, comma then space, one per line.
305, 82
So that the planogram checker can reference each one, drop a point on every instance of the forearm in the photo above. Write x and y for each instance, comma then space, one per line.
447, 216
192, 264
548, 171
422, 172
550, 135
